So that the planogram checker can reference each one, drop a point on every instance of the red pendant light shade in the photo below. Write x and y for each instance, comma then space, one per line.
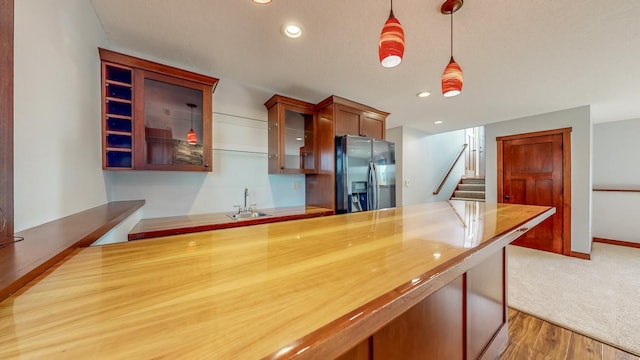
391, 45
192, 138
452, 79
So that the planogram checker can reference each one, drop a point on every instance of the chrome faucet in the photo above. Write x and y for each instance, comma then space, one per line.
246, 208
246, 195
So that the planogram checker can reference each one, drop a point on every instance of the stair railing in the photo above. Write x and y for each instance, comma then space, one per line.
453, 164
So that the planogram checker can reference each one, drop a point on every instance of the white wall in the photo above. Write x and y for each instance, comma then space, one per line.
57, 110
239, 162
616, 166
579, 119
425, 159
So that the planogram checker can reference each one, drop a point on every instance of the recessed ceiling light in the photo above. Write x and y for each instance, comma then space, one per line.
438, 122
292, 31
262, 1
423, 94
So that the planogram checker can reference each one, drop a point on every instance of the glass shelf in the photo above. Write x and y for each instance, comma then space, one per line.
239, 134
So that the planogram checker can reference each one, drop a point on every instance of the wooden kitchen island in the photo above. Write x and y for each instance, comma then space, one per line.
425, 281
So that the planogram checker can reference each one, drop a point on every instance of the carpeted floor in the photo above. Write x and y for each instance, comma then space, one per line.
599, 298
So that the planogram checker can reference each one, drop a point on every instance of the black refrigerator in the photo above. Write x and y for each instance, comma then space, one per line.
365, 174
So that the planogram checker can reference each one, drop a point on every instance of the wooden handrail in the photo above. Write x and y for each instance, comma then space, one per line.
446, 176
619, 190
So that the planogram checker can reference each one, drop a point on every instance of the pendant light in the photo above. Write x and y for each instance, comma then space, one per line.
192, 138
452, 76
391, 44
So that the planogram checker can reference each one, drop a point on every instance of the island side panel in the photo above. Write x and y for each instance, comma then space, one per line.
485, 303
432, 328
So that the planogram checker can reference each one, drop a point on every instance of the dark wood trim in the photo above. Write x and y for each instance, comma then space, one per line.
338, 100
112, 56
535, 134
6, 119
566, 177
279, 99
617, 242
46, 244
619, 190
580, 255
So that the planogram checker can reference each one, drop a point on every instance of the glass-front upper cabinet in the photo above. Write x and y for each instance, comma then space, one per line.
155, 117
292, 136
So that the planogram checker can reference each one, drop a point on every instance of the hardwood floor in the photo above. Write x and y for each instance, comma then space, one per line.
533, 338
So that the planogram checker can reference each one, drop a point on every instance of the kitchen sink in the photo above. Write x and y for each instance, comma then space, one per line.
248, 215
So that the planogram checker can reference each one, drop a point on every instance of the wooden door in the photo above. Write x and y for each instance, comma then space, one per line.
533, 170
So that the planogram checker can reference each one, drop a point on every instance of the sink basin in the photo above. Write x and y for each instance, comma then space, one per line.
248, 215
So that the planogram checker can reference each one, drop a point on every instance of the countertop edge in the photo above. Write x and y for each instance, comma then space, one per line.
340, 335
231, 224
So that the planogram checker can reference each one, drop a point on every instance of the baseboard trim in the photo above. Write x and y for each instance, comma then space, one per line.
580, 255
616, 242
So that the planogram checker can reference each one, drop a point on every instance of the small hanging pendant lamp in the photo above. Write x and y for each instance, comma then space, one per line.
391, 44
452, 78
192, 138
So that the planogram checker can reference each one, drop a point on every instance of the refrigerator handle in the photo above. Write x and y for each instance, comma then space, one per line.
370, 188
376, 185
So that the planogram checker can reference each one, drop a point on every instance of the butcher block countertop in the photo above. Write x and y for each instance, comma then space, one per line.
175, 225
308, 288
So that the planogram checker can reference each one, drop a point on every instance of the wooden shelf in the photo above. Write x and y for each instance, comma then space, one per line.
112, 132
123, 117
118, 149
124, 101
117, 83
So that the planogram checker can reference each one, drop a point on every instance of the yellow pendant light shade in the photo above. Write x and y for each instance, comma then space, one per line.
452, 79
391, 44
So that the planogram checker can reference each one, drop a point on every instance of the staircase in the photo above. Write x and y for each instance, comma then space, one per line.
472, 189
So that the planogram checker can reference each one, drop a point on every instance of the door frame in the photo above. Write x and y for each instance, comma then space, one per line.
566, 177
6, 116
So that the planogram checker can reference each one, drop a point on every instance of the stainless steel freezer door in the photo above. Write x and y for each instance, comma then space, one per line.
353, 154
384, 157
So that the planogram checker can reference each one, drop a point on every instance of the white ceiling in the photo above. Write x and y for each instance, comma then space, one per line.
519, 58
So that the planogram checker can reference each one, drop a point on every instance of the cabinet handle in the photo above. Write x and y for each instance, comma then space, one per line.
206, 165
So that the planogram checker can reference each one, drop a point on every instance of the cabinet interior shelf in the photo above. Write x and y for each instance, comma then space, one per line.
124, 101
119, 83
124, 133
118, 149
115, 116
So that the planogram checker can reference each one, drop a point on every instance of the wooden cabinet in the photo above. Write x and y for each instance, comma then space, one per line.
352, 118
292, 128
155, 117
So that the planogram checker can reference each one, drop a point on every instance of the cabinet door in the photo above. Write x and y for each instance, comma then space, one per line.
372, 125
347, 121
297, 145
172, 123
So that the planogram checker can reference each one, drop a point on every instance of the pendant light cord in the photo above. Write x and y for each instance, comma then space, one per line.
451, 32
